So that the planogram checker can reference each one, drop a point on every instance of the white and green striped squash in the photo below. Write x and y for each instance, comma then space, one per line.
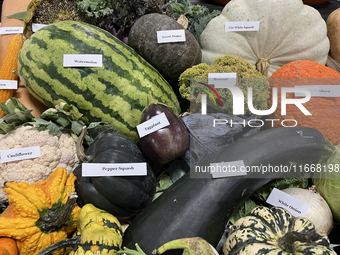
115, 93
275, 231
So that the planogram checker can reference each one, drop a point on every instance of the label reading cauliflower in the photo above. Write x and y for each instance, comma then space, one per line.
56, 151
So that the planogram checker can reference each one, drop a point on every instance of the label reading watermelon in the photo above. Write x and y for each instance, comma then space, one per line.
83, 60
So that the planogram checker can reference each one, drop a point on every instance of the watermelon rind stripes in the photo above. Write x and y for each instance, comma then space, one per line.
115, 93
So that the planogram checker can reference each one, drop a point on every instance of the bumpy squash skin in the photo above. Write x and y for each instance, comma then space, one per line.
98, 233
263, 231
32, 205
115, 93
170, 59
202, 206
333, 33
122, 196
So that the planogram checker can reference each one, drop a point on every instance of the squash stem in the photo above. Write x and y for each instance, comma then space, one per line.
126, 251
56, 222
80, 149
73, 243
287, 242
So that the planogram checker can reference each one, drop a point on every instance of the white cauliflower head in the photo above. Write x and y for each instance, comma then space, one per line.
55, 152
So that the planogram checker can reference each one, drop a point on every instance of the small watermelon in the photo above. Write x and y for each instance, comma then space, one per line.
115, 93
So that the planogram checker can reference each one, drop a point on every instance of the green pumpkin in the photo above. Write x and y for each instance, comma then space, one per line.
275, 231
98, 233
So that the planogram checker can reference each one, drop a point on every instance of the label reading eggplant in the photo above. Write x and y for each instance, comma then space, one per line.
8, 84
320, 90
83, 60
11, 30
114, 169
155, 123
227, 169
295, 206
165, 36
20, 154
235, 26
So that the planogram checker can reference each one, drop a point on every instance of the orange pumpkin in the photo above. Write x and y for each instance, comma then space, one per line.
325, 110
8, 246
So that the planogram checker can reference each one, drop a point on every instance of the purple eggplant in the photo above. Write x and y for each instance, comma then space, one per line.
167, 143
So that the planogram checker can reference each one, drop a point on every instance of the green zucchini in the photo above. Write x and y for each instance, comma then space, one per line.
201, 207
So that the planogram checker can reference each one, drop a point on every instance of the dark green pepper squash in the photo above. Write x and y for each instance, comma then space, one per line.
122, 196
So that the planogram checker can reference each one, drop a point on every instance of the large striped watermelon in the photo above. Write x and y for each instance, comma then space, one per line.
115, 93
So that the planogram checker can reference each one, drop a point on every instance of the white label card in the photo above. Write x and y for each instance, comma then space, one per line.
227, 169
320, 90
37, 26
165, 36
155, 123
8, 84
113, 169
20, 154
221, 80
295, 206
11, 30
83, 60
235, 26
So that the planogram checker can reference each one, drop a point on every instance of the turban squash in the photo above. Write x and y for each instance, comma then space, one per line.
41, 213
275, 231
324, 110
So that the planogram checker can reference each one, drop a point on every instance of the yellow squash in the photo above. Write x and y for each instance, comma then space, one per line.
41, 213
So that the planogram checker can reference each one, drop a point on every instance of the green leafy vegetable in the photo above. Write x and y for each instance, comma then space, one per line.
118, 16
198, 15
63, 118
327, 180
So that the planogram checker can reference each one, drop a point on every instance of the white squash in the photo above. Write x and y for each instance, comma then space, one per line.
288, 31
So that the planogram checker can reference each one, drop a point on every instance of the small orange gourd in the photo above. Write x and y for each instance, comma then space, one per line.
41, 213
8, 246
324, 111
